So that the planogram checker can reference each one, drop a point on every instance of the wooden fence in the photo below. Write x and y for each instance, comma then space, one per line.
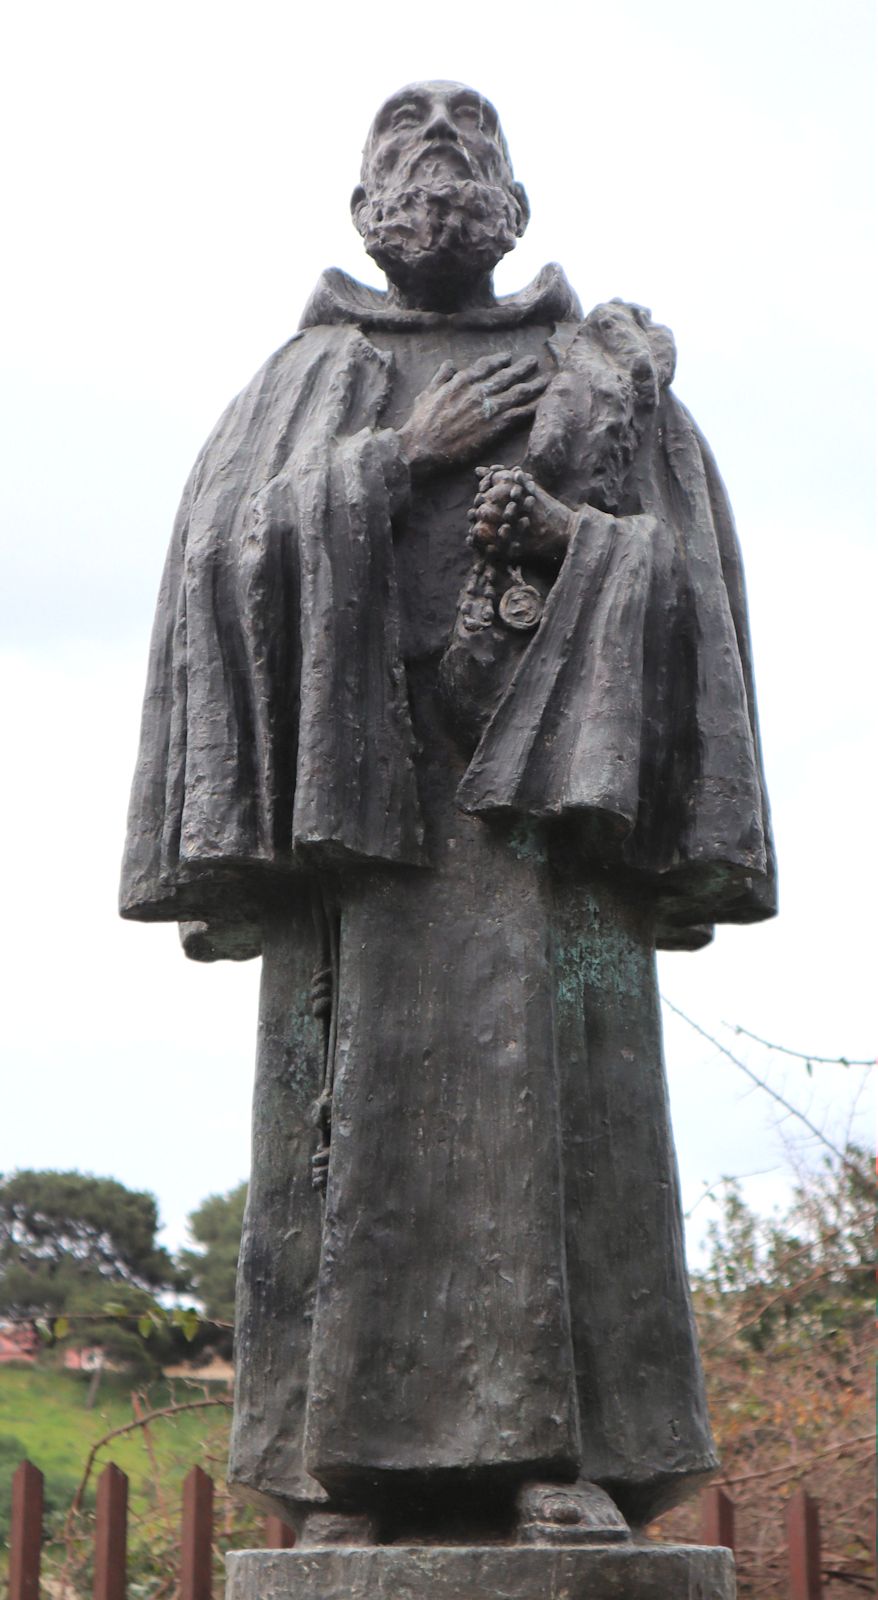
196, 1535
111, 1535
802, 1536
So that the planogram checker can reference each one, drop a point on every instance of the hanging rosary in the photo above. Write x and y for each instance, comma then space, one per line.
520, 605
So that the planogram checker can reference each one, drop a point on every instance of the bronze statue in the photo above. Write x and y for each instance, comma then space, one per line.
450, 716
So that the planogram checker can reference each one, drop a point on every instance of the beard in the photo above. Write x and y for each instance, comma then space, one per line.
450, 231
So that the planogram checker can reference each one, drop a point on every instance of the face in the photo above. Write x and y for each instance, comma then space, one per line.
438, 206
433, 130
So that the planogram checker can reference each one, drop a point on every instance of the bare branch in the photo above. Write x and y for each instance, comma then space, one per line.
74, 1317
800, 1252
761, 1084
801, 1055
129, 1427
788, 1295
711, 1188
794, 1469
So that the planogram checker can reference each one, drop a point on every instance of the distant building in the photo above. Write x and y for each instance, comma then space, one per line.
89, 1359
18, 1342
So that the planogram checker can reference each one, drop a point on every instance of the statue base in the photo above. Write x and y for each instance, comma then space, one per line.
484, 1572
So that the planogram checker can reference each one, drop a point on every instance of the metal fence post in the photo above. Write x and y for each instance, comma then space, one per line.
803, 1543
26, 1533
717, 1517
278, 1534
111, 1534
196, 1537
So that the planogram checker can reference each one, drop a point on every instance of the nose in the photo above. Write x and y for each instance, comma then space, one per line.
440, 125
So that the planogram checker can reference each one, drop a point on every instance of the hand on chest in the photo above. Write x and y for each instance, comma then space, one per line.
432, 555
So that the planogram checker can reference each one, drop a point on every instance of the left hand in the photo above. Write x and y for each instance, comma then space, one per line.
514, 519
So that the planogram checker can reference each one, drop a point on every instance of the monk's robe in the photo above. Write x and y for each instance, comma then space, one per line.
493, 1287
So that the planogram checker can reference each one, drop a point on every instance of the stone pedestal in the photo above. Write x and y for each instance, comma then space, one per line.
484, 1572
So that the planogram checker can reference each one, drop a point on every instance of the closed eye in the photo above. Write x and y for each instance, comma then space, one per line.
475, 112
406, 116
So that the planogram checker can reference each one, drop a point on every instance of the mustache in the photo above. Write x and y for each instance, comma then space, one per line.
437, 152
446, 201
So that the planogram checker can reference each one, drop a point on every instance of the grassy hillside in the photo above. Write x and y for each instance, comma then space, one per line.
45, 1409
43, 1415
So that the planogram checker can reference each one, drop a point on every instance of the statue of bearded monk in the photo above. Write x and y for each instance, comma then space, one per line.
450, 717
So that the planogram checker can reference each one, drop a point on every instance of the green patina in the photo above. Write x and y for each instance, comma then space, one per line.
526, 840
304, 1036
600, 953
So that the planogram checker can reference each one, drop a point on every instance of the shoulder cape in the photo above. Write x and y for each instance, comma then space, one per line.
276, 733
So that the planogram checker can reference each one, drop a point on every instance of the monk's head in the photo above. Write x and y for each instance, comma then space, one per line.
437, 205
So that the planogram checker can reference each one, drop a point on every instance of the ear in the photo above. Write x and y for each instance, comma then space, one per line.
357, 201
519, 195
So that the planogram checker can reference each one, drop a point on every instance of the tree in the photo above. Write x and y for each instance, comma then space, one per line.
807, 1275
70, 1244
784, 1313
210, 1268
60, 1231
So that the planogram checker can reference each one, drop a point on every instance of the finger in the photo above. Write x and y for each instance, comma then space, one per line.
493, 493
487, 366
513, 374
486, 540
505, 421
443, 373
487, 476
520, 393
490, 511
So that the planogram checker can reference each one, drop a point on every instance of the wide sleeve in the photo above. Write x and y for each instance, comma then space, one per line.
630, 718
276, 730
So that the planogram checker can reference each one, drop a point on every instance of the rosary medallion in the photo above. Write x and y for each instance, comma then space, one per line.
521, 605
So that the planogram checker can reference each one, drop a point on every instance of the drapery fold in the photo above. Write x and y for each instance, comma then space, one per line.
632, 710
276, 726
500, 1161
276, 732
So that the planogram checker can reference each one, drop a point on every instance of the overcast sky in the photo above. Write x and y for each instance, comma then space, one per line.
179, 175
